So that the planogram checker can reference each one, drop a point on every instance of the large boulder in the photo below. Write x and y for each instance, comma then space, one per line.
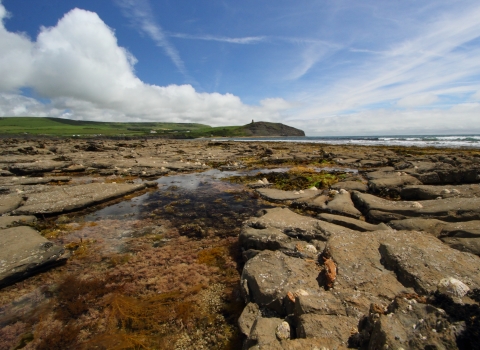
24, 252
64, 199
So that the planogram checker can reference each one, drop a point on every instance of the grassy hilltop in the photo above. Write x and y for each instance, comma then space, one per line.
66, 127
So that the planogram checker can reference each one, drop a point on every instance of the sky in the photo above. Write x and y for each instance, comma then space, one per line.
343, 67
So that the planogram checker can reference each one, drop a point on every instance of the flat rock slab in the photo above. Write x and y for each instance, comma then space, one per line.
15, 181
24, 252
432, 226
274, 195
9, 203
6, 221
342, 204
295, 225
350, 186
425, 192
267, 238
451, 209
420, 260
351, 223
64, 199
36, 167
392, 181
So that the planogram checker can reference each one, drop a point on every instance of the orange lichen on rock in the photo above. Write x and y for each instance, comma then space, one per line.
330, 271
291, 297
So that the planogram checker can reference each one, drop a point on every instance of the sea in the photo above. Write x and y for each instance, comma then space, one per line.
439, 141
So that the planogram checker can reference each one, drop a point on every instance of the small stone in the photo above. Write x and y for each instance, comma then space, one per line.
283, 331
265, 181
417, 205
343, 191
300, 292
455, 191
313, 188
301, 191
445, 191
309, 248
452, 287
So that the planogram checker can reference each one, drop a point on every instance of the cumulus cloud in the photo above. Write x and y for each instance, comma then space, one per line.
79, 66
417, 100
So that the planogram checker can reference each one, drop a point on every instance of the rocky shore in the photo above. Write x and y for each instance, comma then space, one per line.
385, 256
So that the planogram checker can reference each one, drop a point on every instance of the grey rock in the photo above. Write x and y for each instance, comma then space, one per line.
362, 278
411, 325
337, 328
342, 204
432, 226
451, 209
263, 332
24, 252
351, 223
420, 260
267, 238
248, 317
270, 275
274, 195
6, 221
64, 199
425, 192
392, 182
9, 203
318, 204
295, 225
350, 186
38, 167
324, 303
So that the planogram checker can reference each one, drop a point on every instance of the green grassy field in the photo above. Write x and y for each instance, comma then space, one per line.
69, 128
65, 127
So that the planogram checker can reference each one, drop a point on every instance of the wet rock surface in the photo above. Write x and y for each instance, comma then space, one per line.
24, 252
349, 259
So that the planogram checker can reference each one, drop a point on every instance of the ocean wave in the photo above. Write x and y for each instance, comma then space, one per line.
437, 141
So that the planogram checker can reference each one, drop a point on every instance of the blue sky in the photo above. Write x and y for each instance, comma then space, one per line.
327, 67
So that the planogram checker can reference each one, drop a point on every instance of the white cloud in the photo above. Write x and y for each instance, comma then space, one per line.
275, 104
311, 55
140, 13
79, 66
242, 40
440, 60
458, 119
417, 100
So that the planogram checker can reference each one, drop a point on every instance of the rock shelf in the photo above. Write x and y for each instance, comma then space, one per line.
354, 262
